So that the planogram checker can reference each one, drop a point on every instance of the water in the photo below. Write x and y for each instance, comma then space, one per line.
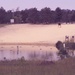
29, 52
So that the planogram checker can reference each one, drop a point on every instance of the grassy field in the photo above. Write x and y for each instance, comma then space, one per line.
21, 67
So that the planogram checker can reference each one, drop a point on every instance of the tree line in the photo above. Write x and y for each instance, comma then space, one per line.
34, 16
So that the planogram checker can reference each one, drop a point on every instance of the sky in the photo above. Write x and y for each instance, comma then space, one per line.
39, 4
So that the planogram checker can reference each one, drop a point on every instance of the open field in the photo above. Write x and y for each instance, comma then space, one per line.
21, 67
26, 33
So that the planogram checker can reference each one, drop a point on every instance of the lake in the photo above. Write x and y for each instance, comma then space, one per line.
29, 52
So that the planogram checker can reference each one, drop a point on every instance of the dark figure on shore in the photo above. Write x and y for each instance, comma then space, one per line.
62, 52
59, 25
59, 45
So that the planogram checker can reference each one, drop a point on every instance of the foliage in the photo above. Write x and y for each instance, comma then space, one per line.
62, 52
58, 15
17, 67
59, 45
2, 15
32, 15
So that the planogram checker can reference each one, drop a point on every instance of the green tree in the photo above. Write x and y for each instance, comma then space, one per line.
33, 16
17, 16
62, 52
8, 16
45, 15
2, 15
73, 17
24, 14
58, 13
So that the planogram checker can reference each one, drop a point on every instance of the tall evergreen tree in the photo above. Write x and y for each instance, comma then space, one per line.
2, 15
58, 13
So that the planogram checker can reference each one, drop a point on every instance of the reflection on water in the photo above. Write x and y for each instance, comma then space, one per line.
29, 52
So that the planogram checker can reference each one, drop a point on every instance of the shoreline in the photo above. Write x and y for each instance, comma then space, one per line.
42, 44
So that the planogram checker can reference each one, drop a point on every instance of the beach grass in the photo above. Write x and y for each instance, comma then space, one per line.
22, 67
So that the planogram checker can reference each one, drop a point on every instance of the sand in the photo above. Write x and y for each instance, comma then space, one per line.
26, 33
